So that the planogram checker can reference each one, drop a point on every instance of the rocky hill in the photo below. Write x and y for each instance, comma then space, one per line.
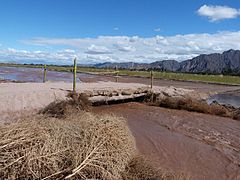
165, 65
226, 63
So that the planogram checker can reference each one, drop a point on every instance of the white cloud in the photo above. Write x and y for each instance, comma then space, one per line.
10, 54
93, 49
116, 29
133, 39
216, 13
101, 58
69, 51
157, 29
125, 48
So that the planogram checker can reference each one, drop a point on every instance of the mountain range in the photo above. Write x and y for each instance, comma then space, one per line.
227, 62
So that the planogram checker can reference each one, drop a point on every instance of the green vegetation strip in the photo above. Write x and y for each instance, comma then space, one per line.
220, 79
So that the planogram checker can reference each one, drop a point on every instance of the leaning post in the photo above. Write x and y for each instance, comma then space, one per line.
151, 74
74, 74
44, 73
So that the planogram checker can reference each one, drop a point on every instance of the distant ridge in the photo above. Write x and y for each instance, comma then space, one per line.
226, 63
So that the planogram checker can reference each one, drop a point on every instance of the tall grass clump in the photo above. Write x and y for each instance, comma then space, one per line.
81, 146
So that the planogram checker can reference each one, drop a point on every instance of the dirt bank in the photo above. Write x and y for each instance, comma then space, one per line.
18, 99
200, 87
203, 146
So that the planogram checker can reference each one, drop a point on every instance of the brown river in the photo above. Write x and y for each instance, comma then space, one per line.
201, 146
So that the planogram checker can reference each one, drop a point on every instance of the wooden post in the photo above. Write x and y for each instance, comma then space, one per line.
44, 73
116, 74
74, 74
151, 74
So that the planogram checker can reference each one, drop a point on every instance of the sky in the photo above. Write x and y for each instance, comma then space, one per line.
96, 31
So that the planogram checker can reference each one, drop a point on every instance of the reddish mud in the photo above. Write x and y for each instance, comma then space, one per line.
199, 145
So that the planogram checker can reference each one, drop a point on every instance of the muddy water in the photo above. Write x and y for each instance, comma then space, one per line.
202, 146
35, 75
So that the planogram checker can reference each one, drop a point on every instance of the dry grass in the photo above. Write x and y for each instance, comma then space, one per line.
236, 114
198, 106
191, 105
78, 147
140, 168
61, 109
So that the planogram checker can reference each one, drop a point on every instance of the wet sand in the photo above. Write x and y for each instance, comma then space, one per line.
202, 146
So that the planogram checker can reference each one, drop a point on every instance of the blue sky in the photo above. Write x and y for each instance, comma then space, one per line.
55, 31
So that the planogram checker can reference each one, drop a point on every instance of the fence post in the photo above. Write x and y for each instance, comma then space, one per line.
151, 74
116, 75
74, 74
44, 73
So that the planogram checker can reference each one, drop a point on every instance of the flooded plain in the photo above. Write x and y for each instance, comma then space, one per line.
35, 75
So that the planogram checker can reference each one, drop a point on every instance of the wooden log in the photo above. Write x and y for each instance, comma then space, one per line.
115, 99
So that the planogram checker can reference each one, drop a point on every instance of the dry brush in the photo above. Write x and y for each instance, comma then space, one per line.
78, 147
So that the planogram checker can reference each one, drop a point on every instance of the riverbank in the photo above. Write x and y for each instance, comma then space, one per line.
22, 98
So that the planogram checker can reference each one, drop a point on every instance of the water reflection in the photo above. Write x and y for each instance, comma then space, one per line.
226, 99
35, 75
